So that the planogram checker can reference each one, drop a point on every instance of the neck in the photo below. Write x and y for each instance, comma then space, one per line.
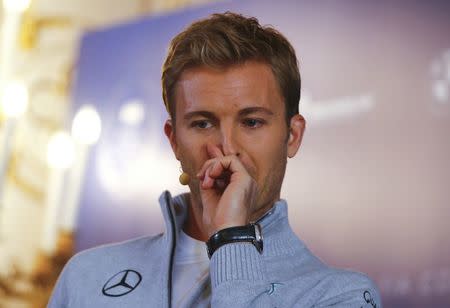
193, 225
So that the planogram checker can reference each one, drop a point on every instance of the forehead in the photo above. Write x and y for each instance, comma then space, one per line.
251, 84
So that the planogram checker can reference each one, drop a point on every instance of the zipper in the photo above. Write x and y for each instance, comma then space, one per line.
172, 251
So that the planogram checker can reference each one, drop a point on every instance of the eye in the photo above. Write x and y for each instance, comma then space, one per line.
253, 123
201, 124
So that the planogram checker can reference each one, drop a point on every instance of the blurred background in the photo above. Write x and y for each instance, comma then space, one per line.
83, 158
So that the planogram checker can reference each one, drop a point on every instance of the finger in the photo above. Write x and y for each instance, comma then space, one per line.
220, 168
206, 165
217, 169
208, 181
215, 176
219, 181
232, 164
213, 151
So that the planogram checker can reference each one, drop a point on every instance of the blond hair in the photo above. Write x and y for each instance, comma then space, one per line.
228, 39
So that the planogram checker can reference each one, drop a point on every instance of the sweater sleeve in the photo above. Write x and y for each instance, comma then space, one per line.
238, 279
351, 289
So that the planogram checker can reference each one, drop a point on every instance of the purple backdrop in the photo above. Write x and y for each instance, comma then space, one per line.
369, 188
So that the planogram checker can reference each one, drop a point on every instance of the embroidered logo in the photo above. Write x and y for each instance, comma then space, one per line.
272, 287
368, 298
122, 283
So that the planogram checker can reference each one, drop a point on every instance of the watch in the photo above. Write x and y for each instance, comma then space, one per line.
250, 233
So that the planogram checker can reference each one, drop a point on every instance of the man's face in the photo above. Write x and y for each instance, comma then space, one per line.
241, 111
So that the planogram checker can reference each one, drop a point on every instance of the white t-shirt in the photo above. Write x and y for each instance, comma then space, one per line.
190, 273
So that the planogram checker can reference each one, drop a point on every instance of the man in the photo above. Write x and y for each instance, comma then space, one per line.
232, 89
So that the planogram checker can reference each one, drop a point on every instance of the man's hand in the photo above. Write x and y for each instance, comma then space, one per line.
227, 190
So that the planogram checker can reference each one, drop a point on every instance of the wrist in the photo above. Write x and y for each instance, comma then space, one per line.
250, 233
220, 227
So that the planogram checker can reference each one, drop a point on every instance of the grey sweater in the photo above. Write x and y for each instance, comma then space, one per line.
137, 273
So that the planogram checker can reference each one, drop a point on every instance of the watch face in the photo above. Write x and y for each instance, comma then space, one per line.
258, 238
258, 232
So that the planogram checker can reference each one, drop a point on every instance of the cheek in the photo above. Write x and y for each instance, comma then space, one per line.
192, 152
266, 156
253, 158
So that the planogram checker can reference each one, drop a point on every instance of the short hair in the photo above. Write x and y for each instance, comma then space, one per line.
227, 39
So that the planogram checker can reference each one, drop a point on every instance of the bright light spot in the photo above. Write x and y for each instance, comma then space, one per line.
440, 84
87, 125
132, 113
145, 175
440, 91
60, 151
14, 99
16, 6
336, 108
448, 71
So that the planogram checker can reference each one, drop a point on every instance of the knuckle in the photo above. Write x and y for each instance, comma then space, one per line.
208, 163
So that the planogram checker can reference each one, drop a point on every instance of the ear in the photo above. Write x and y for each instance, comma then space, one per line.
296, 130
169, 130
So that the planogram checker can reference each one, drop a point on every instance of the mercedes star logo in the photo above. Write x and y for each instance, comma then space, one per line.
122, 283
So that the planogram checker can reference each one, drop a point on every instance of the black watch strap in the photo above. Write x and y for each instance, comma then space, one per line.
250, 233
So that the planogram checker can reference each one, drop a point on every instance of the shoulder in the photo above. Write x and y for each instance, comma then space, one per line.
134, 248
95, 266
137, 248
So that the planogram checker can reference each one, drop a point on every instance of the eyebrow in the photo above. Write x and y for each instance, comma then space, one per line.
250, 110
201, 113
242, 113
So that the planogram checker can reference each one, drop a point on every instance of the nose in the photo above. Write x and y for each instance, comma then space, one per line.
229, 142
